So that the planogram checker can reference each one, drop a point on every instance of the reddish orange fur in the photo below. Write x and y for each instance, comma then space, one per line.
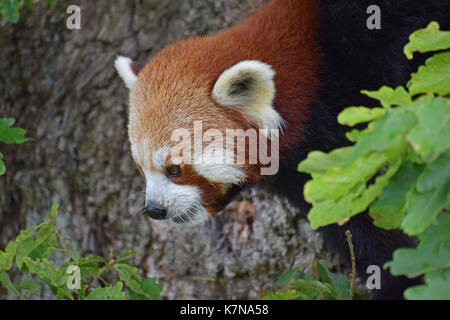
182, 76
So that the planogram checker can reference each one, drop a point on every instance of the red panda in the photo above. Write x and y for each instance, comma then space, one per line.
289, 69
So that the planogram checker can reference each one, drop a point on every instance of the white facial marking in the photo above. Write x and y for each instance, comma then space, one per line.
217, 165
160, 156
135, 153
222, 173
182, 202
123, 66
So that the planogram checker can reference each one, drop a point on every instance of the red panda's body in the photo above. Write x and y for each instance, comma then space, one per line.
291, 67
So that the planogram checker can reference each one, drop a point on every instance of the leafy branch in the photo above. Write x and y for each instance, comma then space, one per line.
322, 284
10, 8
9, 135
32, 253
398, 167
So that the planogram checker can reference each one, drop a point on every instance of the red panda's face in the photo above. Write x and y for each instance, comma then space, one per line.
176, 120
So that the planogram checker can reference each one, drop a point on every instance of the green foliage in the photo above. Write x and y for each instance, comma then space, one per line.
398, 168
436, 287
9, 135
321, 285
10, 8
428, 39
34, 253
107, 293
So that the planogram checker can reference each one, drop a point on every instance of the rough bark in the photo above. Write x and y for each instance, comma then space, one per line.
61, 86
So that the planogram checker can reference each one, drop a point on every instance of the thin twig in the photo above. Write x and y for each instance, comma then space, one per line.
352, 254
62, 242
198, 278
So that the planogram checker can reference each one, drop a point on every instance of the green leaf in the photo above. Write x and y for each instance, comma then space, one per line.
389, 97
96, 259
138, 288
317, 163
75, 253
136, 296
46, 231
152, 288
286, 277
338, 181
7, 122
423, 208
428, 39
355, 115
30, 286
63, 292
130, 276
312, 290
53, 211
60, 277
25, 246
29, 4
107, 293
436, 174
46, 243
432, 253
9, 134
88, 268
354, 135
388, 133
2, 165
354, 200
127, 255
7, 256
43, 268
283, 295
59, 282
388, 211
437, 287
431, 136
10, 9
6, 281
433, 77
339, 282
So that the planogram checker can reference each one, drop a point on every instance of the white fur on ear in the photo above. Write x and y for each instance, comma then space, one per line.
249, 86
123, 66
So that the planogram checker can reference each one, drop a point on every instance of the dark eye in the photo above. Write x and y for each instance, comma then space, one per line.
173, 171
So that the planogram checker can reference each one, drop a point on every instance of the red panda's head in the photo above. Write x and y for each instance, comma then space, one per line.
189, 97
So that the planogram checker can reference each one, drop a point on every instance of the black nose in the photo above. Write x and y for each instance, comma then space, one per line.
154, 211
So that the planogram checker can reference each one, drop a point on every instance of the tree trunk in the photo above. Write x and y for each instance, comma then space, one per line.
61, 87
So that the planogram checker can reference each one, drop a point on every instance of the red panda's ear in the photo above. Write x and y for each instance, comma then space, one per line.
128, 70
249, 86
